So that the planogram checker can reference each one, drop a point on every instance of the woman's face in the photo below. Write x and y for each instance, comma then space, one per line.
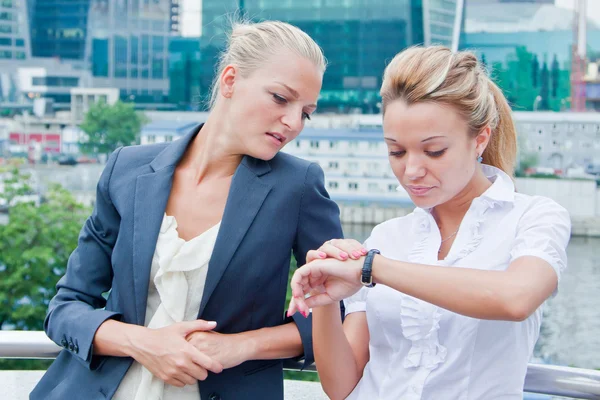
430, 150
271, 105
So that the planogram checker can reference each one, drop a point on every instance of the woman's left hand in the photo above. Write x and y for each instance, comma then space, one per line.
329, 280
230, 350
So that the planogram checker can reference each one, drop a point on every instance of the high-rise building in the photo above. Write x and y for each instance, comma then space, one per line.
127, 47
59, 28
358, 38
14, 31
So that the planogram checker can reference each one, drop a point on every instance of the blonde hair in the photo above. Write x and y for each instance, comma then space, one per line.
435, 74
250, 44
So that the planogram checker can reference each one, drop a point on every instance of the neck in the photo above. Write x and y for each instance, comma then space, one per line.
451, 213
212, 154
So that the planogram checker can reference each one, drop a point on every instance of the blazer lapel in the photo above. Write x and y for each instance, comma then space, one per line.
246, 196
152, 192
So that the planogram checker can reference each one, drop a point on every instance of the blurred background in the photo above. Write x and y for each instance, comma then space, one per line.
78, 78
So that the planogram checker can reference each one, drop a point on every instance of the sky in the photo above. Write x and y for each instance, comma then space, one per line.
593, 8
191, 14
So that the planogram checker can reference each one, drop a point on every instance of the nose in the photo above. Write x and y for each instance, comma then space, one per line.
292, 119
414, 168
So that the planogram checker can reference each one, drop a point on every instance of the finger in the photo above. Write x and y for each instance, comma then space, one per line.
205, 361
299, 279
291, 308
197, 372
333, 251
351, 247
312, 255
175, 382
187, 327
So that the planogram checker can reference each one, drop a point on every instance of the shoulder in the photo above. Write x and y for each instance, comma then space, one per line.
138, 155
287, 163
540, 208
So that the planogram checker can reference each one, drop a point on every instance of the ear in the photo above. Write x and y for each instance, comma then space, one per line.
482, 140
227, 80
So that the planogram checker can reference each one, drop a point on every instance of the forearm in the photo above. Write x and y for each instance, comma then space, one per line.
114, 338
474, 293
338, 369
273, 343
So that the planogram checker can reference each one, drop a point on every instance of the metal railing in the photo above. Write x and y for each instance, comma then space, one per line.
543, 379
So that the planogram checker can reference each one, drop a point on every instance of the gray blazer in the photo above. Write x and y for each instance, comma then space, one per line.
273, 208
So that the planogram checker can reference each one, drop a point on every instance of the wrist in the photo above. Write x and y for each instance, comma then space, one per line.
133, 335
250, 344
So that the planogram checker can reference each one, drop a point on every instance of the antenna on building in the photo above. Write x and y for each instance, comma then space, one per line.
578, 56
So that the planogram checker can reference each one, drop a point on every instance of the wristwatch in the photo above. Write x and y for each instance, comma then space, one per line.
366, 279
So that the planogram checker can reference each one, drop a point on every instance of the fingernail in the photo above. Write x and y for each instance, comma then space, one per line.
322, 255
305, 314
287, 314
356, 254
364, 251
343, 255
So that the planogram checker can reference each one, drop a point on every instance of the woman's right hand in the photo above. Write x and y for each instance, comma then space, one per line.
169, 356
340, 249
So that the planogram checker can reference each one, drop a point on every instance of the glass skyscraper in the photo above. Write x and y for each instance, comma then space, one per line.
59, 28
14, 32
127, 47
358, 37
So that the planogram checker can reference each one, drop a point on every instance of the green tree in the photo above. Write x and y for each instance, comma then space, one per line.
109, 127
545, 87
535, 70
35, 245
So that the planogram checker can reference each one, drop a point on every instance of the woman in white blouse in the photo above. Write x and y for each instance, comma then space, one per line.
460, 281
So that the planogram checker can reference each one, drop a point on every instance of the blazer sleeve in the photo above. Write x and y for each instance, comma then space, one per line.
76, 311
318, 221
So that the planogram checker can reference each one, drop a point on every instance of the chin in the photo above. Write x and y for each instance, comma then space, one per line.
424, 202
263, 154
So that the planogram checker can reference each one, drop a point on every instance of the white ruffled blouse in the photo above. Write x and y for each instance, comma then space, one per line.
419, 351
175, 291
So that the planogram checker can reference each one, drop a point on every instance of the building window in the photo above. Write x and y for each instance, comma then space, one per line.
297, 143
333, 165
353, 166
169, 138
373, 145
151, 139
373, 187
392, 188
332, 145
352, 186
314, 144
353, 145
333, 185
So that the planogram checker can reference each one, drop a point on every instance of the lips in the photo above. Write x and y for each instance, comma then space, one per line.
278, 136
419, 190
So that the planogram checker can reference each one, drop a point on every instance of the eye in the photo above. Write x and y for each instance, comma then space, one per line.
436, 154
399, 153
279, 99
306, 116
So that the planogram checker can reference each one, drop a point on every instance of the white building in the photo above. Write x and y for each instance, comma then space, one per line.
353, 155
83, 98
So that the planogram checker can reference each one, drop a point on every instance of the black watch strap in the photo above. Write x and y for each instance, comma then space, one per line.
366, 278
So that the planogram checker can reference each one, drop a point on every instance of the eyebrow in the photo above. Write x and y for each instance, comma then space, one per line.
422, 141
294, 93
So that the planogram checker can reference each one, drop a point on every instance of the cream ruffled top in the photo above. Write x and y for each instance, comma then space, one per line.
177, 280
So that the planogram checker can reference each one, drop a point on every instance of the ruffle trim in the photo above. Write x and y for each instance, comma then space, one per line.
420, 324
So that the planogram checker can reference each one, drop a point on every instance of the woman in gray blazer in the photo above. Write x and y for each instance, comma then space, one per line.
120, 310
